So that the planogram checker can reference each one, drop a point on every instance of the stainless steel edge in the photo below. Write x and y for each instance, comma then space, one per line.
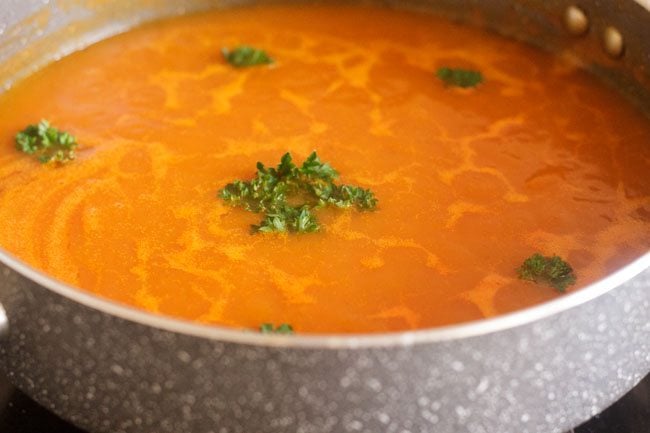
4, 323
644, 3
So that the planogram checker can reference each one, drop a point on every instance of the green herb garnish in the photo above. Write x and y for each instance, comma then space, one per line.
46, 143
460, 77
288, 195
283, 329
552, 271
245, 56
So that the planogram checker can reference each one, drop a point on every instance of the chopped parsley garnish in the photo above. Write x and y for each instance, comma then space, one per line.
288, 195
46, 143
460, 77
552, 271
283, 329
244, 56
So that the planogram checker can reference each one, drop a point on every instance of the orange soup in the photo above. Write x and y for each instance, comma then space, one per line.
539, 157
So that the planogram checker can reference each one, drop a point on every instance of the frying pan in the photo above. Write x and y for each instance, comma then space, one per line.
110, 368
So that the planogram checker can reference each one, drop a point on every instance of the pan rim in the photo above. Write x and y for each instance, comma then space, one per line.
331, 341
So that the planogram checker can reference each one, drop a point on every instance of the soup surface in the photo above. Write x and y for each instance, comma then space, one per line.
470, 182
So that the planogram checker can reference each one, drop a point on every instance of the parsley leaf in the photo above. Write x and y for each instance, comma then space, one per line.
244, 56
317, 169
46, 143
288, 195
552, 271
346, 196
459, 77
289, 219
283, 329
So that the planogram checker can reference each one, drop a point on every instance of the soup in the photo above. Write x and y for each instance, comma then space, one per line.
469, 182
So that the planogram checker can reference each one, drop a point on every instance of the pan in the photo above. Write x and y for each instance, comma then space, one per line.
110, 368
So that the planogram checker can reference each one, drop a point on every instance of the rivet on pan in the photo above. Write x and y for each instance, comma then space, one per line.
576, 21
613, 42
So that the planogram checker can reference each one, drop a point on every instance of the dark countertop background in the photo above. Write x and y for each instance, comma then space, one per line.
18, 414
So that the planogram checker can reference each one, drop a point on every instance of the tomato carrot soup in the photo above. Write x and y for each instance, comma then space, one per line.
469, 179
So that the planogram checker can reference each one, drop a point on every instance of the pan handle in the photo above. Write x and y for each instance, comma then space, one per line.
4, 322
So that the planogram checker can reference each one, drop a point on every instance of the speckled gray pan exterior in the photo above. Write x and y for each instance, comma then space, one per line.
108, 368
107, 374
